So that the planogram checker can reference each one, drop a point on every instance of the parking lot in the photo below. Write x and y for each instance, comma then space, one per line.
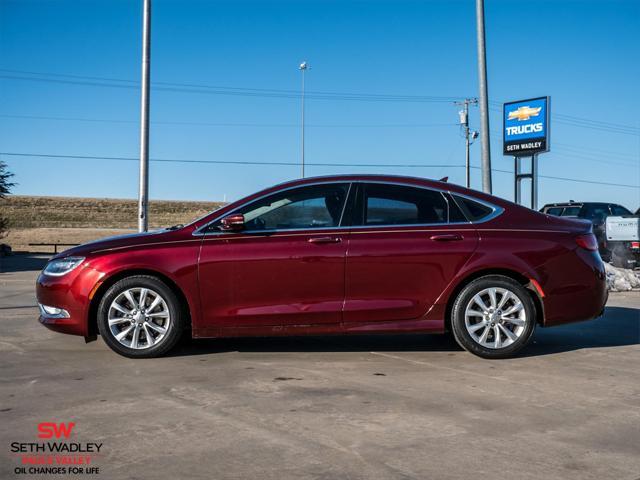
366, 407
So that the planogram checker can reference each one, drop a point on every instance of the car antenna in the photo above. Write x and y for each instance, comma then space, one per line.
444, 179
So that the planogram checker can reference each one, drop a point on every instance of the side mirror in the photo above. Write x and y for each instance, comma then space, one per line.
232, 223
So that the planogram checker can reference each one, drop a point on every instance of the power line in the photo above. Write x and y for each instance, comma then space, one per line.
226, 162
282, 93
585, 123
227, 124
320, 164
584, 153
574, 154
220, 90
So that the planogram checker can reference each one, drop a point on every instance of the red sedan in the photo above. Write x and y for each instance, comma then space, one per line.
341, 254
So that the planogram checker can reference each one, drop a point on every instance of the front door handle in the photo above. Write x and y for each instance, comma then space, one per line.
447, 237
324, 240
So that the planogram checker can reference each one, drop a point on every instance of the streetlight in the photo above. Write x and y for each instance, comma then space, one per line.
303, 68
143, 192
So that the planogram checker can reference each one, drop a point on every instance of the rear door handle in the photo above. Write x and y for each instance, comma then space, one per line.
324, 240
447, 237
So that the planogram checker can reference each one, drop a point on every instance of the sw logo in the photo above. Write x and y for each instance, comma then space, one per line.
51, 429
524, 113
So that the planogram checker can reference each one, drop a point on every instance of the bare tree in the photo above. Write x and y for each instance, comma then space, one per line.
5, 189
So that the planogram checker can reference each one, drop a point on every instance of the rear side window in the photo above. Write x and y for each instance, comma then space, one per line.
571, 211
474, 211
400, 205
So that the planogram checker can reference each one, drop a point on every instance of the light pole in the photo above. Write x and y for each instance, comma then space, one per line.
483, 98
303, 68
143, 192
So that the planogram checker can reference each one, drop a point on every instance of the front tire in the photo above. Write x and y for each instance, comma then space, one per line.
140, 317
493, 317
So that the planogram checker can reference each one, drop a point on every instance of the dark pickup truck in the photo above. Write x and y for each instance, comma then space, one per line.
597, 213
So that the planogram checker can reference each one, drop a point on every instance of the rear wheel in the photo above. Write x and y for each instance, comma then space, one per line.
140, 317
493, 317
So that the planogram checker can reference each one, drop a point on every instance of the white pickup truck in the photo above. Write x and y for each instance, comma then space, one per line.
622, 239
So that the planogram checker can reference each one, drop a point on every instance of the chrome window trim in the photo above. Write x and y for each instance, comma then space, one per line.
496, 211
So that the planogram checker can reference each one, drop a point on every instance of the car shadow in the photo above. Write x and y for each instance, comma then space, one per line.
619, 326
23, 262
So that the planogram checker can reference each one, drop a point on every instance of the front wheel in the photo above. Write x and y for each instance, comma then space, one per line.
140, 317
493, 317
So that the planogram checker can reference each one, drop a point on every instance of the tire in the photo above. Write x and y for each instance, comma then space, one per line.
159, 324
475, 331
621, 259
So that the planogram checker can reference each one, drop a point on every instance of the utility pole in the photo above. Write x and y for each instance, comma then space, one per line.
484, 98
468, 135
143, 193
303, 68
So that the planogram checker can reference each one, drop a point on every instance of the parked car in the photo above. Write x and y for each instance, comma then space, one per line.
595, 212
622, 236
350, 254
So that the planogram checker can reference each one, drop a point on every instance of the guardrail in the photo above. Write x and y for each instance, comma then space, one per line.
54, 245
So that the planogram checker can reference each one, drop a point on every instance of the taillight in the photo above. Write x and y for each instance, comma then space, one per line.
635, 245
588, 242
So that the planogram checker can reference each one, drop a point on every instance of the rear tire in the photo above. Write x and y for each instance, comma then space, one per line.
493, 317
140, 317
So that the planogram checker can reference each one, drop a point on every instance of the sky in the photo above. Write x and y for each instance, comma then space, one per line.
380, 93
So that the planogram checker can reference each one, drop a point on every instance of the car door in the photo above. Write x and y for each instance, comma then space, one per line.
285, 268
406, 244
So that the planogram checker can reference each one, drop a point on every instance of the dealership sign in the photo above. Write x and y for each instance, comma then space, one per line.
526, 127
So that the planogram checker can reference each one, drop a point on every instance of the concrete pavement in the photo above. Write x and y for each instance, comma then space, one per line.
368, 407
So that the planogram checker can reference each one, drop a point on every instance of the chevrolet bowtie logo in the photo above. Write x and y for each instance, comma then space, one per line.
524, 113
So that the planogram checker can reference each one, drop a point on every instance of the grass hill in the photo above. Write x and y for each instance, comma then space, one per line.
76, 220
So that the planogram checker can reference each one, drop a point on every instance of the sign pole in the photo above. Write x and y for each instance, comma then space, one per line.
516, 183
534, 182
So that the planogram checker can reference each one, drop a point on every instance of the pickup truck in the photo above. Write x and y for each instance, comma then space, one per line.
596, 213
622, 239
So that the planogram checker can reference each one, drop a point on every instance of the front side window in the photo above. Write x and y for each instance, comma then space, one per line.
619, 211
596, 213
400, 205
315, 206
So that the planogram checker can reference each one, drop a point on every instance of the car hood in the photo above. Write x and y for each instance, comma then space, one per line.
117, 241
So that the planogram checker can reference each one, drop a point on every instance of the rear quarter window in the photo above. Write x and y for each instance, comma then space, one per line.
474, 211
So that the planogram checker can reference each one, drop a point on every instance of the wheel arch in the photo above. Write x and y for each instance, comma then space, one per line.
514, 275
92, 324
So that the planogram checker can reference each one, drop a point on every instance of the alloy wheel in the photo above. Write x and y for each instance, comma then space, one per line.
495, 317
139, 318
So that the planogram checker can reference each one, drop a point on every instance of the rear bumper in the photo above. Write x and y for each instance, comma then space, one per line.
575, 287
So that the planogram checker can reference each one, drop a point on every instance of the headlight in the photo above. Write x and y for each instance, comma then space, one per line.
62, 266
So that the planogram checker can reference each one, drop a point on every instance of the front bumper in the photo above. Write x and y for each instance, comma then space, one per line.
71, 293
